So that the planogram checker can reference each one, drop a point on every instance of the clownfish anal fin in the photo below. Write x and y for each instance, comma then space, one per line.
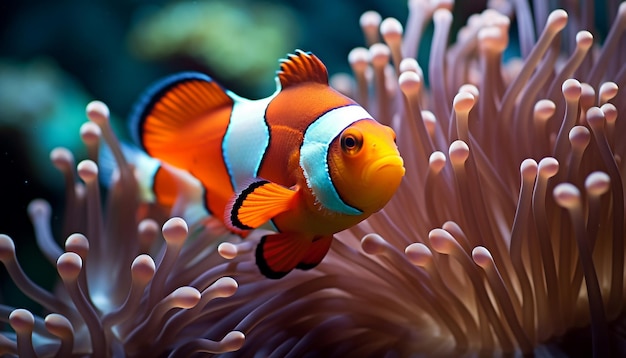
318, 250
278, 254
302, 67
169, 105
257, 203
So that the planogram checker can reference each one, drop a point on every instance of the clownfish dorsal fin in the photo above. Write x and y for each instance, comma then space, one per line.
258, 202
170, 105
302, 67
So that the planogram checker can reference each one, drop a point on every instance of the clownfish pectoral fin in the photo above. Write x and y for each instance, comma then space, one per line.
302, 67
278, 254
316, 253
256, 204
168, 113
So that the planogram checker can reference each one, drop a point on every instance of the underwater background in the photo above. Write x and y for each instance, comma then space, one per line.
55, 57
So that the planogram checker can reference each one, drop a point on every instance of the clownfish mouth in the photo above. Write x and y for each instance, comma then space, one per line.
389, 169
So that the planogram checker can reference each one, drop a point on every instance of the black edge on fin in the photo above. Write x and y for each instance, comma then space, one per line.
263, 266
232, 213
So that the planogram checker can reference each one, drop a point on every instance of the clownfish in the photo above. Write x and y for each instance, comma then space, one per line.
306, 161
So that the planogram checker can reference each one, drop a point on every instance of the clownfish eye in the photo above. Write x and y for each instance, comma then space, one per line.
351, 141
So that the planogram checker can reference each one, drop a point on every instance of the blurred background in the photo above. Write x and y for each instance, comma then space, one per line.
56, 56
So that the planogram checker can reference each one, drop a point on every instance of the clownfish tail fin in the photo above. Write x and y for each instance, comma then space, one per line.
158, 182
145, 168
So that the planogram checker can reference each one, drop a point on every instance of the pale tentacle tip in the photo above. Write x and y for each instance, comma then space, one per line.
142, 269
370, 19
391, 29
459, 152
62, 158
544, 109
342, 82
148, 230
410, 83
548, 167
175, 230
58, 325
87, 170
463, 102
579, 136
185, 297
482, 257
225, 286
572, 89
610, 112
597, 183
584, 39
567, 195
410, 64
471, 89
379, 55
493, 39
529, 169
78, 244
430, 121
557, 20
7, 248
227, 250
22, 321
69, 265
442, 14
595, 117
441, 241
233, 341
373, 244
90, 132
98, 112
358, 58
39, 208
418, 254
436, 161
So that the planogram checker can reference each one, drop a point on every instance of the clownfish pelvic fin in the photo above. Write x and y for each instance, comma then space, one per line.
278, 254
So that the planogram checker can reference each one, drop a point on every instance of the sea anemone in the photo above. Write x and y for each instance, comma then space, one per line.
124, 291
507, 234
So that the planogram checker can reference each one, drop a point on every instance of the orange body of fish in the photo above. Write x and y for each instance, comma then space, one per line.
306, 161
